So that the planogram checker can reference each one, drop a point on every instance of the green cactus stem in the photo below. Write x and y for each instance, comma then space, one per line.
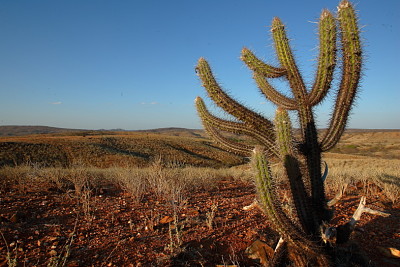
251, 118
351, 73
326, 59
213, 123
291, 164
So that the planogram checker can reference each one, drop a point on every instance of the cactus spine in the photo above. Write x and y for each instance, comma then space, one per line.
300, 158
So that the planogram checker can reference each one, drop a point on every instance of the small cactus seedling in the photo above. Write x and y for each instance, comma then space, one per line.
300, 157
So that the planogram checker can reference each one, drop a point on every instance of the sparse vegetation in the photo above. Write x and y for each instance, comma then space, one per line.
126, 199
114, 149
119, 205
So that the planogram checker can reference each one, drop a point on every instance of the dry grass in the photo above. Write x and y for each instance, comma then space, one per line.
169, 183
384, 173
173, 183
372, 144
132, 162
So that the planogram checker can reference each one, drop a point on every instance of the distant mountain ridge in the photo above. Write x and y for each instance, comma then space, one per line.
17, 130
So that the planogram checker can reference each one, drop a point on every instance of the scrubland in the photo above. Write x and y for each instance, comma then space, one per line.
167, 199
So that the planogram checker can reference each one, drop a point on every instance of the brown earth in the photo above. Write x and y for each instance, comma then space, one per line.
110, 229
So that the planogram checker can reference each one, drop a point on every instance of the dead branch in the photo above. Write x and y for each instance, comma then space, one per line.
338, 196
341, 234
253, 205
361, 209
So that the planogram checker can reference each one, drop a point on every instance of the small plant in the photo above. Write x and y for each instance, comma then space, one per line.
300, 157
85, 200
175, 234
11, 261
211, 215
132, 181
61, 259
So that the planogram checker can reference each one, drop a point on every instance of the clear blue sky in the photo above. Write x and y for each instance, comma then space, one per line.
94, 64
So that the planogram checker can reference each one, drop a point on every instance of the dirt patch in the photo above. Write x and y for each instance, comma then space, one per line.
111, 229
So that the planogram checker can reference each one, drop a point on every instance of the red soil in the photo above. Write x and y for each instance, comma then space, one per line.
38, 224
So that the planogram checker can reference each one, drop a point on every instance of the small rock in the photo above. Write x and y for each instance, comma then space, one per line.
73, 264
260, 250
52, 238
53, 253
390, 252
166, 219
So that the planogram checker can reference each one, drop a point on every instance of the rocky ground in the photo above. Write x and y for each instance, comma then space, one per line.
45, 227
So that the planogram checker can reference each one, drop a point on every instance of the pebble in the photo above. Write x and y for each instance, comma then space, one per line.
53, 253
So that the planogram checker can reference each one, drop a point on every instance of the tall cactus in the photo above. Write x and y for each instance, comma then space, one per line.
301, 158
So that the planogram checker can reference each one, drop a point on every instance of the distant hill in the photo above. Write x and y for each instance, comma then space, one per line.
60, 147
176, 147
15, 130
174, 131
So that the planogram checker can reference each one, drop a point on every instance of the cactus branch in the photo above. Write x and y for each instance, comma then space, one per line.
229, 145
326, 59
233, 127
268, 200
287, 61
291, 165
351, 73
223, 100
259, 66
272, 94
271, 205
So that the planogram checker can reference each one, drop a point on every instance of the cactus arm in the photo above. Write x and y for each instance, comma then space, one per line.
272, 94
233, 127
326, 58
264, 185
262, 71
272, 207
223, 100
293, 75
259, 66
287, 61
227, 144
352, 63
287, 153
